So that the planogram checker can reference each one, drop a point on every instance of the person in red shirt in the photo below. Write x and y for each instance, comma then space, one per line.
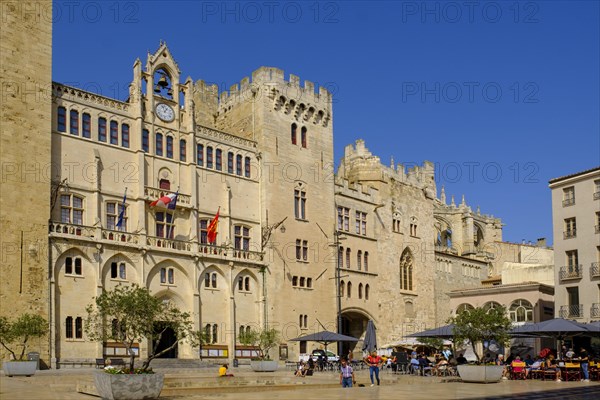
373, 361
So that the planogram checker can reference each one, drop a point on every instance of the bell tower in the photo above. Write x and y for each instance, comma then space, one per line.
162, 98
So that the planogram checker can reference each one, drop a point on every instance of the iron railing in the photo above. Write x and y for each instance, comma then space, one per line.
595, 270
571, 311
570, 272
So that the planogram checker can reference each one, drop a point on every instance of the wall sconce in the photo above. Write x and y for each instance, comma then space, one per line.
282, 229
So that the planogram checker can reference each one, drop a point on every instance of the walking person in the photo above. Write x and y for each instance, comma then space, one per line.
373, 361
346, 374
584, 363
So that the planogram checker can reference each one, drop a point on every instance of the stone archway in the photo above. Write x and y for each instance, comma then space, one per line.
354, 323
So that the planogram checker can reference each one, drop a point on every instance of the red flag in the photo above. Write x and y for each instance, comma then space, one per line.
211, 232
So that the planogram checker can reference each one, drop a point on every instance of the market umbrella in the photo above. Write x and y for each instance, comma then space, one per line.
442, 332
325, 337
556, 328
370, 342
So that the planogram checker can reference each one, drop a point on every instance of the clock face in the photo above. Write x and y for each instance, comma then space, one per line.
165, 112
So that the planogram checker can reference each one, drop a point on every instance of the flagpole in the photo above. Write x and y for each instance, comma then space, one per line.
169, 229
121, 216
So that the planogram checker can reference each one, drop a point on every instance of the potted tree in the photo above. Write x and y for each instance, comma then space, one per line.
263, 340
479, 326
17, 334
130, 314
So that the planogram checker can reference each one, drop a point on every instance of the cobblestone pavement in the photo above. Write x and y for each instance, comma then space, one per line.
62, 384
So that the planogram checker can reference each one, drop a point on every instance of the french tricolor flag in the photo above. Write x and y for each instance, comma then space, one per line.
167, 201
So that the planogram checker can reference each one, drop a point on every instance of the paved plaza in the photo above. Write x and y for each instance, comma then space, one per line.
63, 384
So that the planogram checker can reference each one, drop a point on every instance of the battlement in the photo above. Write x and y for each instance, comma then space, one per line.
271, 82
359, 191
360, 164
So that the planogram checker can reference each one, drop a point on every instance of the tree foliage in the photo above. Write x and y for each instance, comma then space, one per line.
130, 314
16, 334
479, 325
264, 340
435, 343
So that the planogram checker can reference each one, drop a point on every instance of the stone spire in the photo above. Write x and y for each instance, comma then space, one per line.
443, 195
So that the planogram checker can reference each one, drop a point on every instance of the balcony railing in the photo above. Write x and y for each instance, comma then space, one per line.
570, 234
571, 311
192, 247
247, 255
71, 229
172, 244
119, 236
596, 195
568, 202
595, 270
570, 272
595, 311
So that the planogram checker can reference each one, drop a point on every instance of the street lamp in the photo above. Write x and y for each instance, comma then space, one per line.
338, 277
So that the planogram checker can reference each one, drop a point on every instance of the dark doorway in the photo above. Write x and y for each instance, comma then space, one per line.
169, 337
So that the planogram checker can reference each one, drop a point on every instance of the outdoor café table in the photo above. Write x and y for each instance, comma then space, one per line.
570, 371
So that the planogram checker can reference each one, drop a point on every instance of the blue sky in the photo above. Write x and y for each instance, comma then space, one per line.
501, 95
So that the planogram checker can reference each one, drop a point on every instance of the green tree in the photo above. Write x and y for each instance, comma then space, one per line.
263, 340
130, 314
17, 334
479, 325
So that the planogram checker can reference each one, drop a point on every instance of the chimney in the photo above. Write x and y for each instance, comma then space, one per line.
541, 242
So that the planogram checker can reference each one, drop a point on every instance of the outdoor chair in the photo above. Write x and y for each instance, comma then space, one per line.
100, 363
403, 368
536, 373
594, 371
518, 370
548, 373
571, 372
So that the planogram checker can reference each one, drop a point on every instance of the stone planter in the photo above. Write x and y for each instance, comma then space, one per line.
264, 366
128, 386
480, 373
19, 368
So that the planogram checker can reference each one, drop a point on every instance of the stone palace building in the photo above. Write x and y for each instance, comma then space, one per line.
299, 243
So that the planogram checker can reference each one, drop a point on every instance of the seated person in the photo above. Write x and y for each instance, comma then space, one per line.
500, 361
461, 359
528, 360
414, 364
424, 365
311, 366
569, 355
301, 371
223, 371
535, 366
550, 365
441, 366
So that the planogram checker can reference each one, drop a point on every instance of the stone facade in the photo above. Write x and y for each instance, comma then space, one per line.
25, 115
576, 228
297, 241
